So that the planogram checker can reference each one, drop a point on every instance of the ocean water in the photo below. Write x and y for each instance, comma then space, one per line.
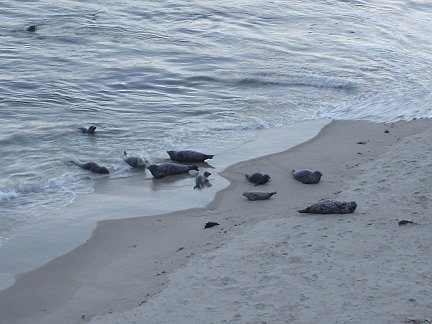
203, 75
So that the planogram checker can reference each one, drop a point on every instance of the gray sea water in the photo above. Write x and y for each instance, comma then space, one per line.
204, 75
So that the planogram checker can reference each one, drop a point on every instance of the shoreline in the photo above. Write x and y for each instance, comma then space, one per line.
128, 262
125, 197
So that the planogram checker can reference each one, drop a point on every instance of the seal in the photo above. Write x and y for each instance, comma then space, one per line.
90, 130
307, 176
188, 156
202, 180
135, 161
32, 28
258, 195
331, 207
166, 169
93, 167
258, 178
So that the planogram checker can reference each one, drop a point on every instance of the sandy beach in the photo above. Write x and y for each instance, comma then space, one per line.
264, 262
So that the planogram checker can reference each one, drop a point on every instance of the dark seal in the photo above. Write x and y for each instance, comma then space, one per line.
135, 161
307, 176
202, 180
188, 156
91, 130
166, 169
93, 167
331, 207
258, 178
32, 28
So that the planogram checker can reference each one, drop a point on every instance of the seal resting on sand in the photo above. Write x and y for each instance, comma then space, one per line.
188, 156
135, 161
93, 167
166, 169
258, 178
331, 207
258, 195
202, 180
90, 130
307, 176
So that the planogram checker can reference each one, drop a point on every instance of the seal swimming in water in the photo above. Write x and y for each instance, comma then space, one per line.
258, 178
90, 130
32, 28
93, 167
135, 161
331, 207
202, 180
166, 169
188, 156
258, 195
307, 176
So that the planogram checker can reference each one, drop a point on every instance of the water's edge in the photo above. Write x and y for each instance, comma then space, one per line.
127, 197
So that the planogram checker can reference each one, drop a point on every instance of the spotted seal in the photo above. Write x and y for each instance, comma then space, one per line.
258, 195
90, 130
188, 156
166, 169
258, 178
331, 207
135, 161
202, 180
93, 167
307, 176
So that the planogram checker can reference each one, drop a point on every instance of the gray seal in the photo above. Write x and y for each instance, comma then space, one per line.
93, 167
258, 195
331, 207
202, 180
188, 156
258, 178
307, 176
166, 169
135, 161
90, 130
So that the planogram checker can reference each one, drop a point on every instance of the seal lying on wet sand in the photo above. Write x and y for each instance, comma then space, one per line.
258, 195
90, 130
166, 169
307, 176
188, 156
258, 178
202, 180
135, 161
331, 207
93, 167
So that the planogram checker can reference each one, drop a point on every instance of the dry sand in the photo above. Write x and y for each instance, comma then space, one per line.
265, 262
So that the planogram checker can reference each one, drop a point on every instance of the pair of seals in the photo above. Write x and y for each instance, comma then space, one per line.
258, 195
135, 161
90, 130
307, 176
331, 207
188, 156
202, 180
258, 178
93, 167
166, 169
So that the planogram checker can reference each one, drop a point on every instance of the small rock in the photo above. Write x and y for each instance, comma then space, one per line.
210, 224
404, 222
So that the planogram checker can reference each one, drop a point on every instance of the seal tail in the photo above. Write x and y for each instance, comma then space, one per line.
306, 210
